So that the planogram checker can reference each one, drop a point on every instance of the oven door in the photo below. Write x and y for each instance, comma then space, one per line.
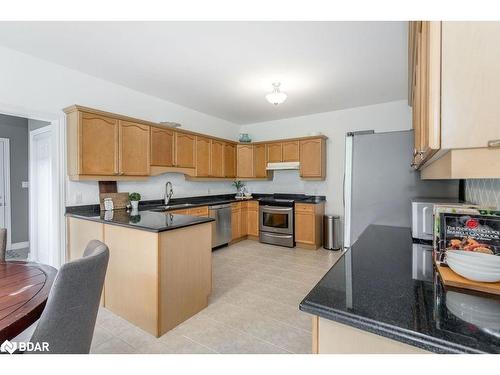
276, 219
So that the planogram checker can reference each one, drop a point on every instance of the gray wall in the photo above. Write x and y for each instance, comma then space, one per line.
36, 124
16, 129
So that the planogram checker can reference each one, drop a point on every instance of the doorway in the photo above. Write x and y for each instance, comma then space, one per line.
5, 187
40, 195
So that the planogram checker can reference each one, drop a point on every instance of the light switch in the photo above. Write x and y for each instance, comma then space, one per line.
25, 184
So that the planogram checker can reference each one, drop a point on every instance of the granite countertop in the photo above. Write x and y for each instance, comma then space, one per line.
152, 214
143, 220
371, 288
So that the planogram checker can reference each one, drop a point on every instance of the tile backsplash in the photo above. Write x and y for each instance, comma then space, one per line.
485, 192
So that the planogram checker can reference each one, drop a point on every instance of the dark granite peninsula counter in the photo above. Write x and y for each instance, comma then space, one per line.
143, 220
371, 292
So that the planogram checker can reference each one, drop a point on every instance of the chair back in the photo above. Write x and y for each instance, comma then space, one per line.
68, 320
3, 243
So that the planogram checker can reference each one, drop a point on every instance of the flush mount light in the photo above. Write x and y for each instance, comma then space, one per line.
276, 97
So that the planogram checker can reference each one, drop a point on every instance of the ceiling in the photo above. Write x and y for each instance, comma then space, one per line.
225, 68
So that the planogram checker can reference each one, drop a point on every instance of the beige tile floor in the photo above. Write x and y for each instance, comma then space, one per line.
253, 308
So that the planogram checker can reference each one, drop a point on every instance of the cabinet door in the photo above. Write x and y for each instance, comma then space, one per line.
290, 151
260, 160
184, 150
274, 152
134, 149
426, 90
244, 158
304, 227
202, 156
312, 158
98, 143
162, 147
216, 158
235, 221
244, 219
470, 84
253, 219
229, 160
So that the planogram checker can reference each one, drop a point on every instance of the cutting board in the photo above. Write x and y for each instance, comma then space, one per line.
452, 279
120, 200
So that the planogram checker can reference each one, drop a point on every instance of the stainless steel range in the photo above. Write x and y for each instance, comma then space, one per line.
276, 219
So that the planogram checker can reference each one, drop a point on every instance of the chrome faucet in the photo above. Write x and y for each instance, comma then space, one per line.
169, 191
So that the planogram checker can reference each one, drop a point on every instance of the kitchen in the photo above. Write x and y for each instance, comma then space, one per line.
215, 228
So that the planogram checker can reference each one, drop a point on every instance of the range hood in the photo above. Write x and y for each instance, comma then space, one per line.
283, 166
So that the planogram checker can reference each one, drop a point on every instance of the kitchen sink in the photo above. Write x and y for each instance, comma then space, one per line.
171, 207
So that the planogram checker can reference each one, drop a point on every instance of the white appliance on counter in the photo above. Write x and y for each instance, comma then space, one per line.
380, 184
422, 218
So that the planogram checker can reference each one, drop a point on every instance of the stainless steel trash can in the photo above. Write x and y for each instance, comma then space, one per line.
332, 232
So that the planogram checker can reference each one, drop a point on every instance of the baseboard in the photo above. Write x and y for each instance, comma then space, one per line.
18, 245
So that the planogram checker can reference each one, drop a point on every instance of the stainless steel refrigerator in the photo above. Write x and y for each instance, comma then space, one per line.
379, 182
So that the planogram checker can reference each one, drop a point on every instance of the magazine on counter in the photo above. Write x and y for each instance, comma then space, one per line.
467, 228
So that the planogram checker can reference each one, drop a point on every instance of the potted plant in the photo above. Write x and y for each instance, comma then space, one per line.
134, 199
239, 185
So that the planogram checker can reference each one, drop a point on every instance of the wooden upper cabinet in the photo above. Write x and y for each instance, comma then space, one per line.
274, 152
229, 156
162, 147
312, 158
184, 150
245, 163
425, 55
290, 151
216, 158
260, 160
202, 156
134, 146
98, 145
470, 115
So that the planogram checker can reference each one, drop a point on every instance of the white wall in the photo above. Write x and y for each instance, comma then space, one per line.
384, 117
40, 87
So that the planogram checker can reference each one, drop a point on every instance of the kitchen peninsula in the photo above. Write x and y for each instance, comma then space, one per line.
160, 265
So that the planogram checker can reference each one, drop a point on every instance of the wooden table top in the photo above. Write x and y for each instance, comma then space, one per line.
24, 288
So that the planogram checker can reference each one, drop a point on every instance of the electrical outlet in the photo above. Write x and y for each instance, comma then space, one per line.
25, 184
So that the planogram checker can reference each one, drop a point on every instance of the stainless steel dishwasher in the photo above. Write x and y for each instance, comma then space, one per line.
221, 228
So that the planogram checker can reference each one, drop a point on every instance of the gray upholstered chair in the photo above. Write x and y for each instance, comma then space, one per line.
68, 320
3, 243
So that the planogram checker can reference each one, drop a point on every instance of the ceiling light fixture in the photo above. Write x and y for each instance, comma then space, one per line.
276, 97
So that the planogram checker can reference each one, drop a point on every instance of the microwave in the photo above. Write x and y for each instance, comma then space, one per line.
422, 221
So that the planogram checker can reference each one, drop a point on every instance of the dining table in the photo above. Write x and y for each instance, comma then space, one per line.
24, 289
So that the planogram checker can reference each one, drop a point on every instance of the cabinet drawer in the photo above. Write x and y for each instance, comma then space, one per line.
179, 212
253, 205
199, 211
301, 207
236, 206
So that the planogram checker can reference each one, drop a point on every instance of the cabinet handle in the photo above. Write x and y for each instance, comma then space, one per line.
495, 143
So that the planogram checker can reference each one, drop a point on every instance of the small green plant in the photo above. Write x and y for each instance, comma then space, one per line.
134, 197
238, 184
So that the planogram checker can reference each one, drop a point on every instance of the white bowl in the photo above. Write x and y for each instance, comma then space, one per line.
480, 311
473, 274
474, 263
480, 257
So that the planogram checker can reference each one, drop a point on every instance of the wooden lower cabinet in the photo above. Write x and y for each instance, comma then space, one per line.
330, 337
253, 219
309, 225
245, 220
236, 221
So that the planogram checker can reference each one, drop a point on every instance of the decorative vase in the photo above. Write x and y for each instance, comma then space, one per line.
135, 205
245, 138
